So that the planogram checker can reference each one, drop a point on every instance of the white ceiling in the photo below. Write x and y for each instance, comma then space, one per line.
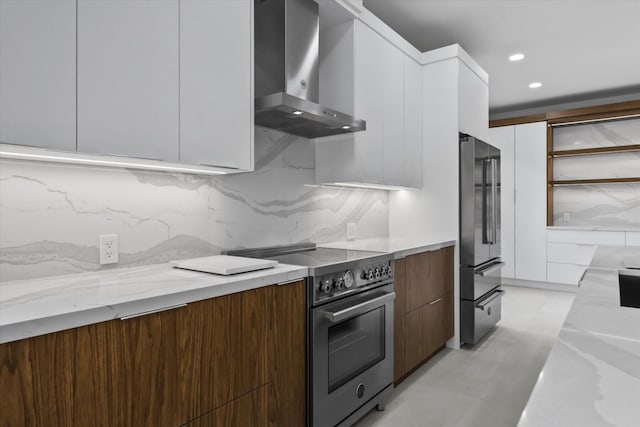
577, 49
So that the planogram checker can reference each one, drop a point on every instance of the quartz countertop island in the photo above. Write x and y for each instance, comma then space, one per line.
592, 374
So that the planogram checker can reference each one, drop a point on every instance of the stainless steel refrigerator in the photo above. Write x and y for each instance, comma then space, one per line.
480, 262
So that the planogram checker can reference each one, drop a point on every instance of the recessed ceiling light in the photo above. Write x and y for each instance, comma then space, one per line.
346, 127
535, 85
516, 57
297, 113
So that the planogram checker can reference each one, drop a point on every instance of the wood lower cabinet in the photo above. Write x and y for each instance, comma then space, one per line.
112, 373
424, 308
224, 359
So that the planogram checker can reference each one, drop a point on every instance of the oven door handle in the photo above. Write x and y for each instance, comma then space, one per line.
363, 307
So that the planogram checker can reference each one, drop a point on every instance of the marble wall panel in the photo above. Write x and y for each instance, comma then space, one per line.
597, 134
614, 205
51, 215
612, 165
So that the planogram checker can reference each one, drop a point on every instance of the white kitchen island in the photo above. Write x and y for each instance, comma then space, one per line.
592, 375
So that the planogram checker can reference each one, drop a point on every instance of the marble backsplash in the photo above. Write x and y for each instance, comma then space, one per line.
51, 214
606, 205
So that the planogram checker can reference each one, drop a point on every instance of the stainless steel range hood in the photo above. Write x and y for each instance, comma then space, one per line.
286, 72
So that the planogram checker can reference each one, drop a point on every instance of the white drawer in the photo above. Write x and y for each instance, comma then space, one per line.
633, 238
570, 253
613, 238
564, 273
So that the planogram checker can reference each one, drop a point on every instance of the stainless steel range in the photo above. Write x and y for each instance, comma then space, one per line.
350, 329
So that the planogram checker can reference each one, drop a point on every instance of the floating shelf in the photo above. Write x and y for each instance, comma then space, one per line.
594, 181
597, 150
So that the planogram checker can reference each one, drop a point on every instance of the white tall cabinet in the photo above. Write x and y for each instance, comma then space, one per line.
38, 73
128, 70
524, 204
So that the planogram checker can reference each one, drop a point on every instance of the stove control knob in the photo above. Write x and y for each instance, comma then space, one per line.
370, 274
340, 283
348, 279
326, 286
378, 273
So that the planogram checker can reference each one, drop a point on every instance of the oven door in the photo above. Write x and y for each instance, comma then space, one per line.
351, 354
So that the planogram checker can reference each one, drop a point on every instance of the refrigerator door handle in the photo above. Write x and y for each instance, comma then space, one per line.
484, 271
486, 236
484, 303
494, 198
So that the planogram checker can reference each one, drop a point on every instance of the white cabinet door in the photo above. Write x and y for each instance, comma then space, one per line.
216, 80
503, 138
587, 237
569, 274
371, 53
38, 73
128, 78
473, 104
412, 123
531, 201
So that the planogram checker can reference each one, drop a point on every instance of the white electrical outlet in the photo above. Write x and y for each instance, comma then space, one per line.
351, 231
108, 248
566, 216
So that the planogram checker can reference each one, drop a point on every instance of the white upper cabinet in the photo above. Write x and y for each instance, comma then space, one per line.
128, 78
38, 73
216, 83
364, 74
473, 104
412, 123
380, 100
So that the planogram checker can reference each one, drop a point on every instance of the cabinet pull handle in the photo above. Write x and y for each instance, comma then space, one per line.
211, 165
433, 302
158, 310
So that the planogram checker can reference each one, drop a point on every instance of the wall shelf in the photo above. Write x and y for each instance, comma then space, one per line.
594, 181
597, 150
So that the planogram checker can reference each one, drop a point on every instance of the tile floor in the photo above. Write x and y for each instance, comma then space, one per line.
489, 384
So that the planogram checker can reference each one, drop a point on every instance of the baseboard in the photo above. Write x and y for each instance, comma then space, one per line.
563, 287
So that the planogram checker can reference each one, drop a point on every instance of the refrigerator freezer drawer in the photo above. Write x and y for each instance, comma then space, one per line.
476, 282
479, 317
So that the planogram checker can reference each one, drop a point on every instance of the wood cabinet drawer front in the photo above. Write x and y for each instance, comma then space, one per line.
633, 238
569, 274
116, 373
570, 253
429, 275
222, 349
427, 329
615, 238
248, 410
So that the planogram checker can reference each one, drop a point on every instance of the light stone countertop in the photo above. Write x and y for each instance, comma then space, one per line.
38, 306
592, 374
399, 247
594, 228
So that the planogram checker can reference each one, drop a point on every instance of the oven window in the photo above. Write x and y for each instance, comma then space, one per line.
354, 346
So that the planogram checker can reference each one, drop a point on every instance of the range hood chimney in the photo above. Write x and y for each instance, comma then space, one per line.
286, 50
